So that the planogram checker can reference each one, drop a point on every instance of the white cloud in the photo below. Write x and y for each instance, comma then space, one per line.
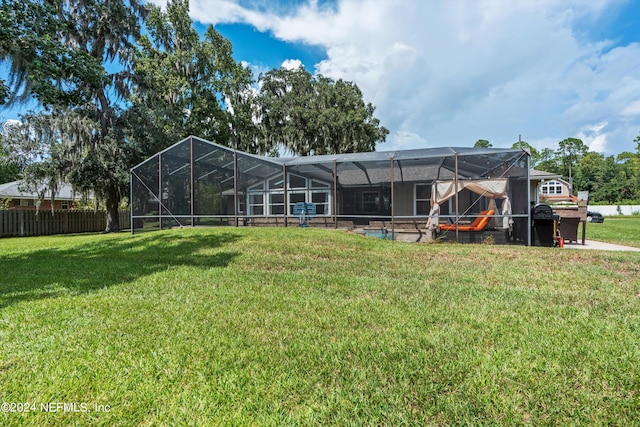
405, 140
451, 72
292, 64
633, 109
593, 137
12, 122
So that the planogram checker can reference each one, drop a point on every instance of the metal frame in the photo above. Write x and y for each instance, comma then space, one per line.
361, 170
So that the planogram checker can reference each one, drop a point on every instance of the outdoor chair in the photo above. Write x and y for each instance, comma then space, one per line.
568, 228
478, 224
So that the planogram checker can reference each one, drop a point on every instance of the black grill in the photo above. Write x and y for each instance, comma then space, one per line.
543, 225
543, 211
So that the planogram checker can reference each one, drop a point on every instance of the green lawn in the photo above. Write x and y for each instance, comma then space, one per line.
623, 230
277, 326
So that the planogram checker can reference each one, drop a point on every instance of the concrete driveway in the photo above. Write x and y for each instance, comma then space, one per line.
592, 244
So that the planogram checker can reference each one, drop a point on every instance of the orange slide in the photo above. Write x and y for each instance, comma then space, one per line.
478, 224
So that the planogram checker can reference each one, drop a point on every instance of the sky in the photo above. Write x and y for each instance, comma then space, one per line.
451, 72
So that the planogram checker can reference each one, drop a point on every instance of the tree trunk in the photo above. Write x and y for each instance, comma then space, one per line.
113, 222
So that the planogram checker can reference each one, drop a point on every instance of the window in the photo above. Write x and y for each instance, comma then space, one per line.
552, 187
276, 204
386, 203
269, 198
257, 187
321, 200
296, 181
318, 198
27, 202
275, 183
422, 199
318, 184
296, 198
357, 202
256, 204
241, 205
370, 201
65, 204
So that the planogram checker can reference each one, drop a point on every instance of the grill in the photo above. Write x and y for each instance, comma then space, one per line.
544, 225
543, 211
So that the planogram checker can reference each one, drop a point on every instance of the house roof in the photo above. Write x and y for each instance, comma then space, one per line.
539, 175
17, 190
376, 156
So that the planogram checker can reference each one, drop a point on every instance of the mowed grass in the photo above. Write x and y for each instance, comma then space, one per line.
622, 230
256, 326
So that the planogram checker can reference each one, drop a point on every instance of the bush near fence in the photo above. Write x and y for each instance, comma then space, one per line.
23, 223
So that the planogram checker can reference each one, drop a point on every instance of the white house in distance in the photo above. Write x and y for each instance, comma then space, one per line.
550, 188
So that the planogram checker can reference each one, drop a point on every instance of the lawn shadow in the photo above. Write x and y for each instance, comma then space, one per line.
49, 273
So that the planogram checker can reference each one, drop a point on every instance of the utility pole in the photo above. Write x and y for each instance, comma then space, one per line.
570, 177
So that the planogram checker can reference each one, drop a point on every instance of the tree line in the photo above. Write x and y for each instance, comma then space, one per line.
608, 179
119, 80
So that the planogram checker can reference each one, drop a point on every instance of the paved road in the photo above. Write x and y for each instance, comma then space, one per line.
592, 244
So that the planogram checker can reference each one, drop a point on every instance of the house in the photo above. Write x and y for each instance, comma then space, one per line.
15, 195
197, 182
556, 190
550, 188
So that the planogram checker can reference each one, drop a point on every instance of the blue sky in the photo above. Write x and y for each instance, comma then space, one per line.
263, 51
450, 72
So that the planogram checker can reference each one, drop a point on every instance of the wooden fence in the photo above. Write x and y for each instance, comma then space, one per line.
22, 223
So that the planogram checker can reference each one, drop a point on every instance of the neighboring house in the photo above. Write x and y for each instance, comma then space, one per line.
550, 188
16, 197
556, 190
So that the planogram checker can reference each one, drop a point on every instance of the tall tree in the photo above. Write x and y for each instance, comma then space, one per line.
9, 169
189, 85
106, 30
629, 165
284, 109
315, 115
634, 160
482, 143
588, 171
610, 182
42, 63
535, 154
4, 93
571, 150
93, 32
548, 161
48, 147
10, 166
